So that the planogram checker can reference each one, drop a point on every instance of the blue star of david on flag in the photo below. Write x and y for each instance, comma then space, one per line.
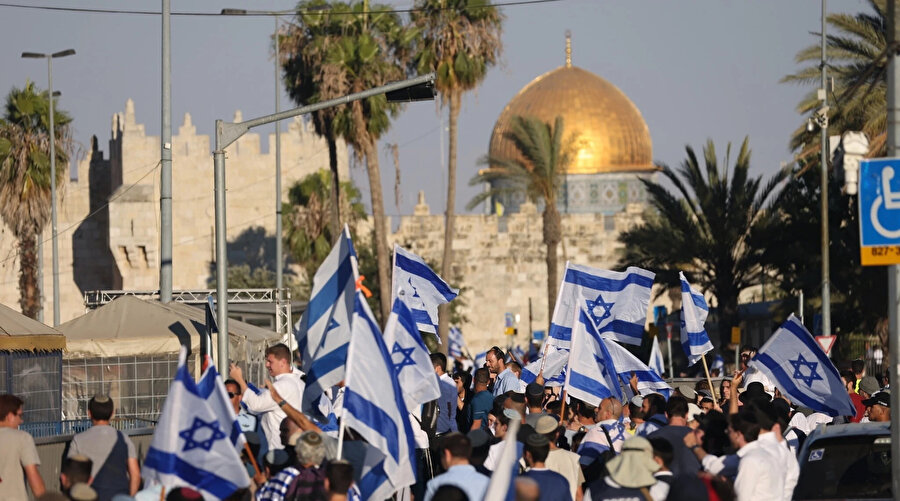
813, 375
599, 303
406, 353
206, 444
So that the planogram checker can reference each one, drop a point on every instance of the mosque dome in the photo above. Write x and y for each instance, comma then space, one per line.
612, 135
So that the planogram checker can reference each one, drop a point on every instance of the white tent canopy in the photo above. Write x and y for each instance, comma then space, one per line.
132, 326
18, 332
129, 348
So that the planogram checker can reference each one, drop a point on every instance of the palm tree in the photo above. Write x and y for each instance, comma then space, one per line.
459, 40
716, 226
25, 178
857, 61
538, 173
305, 47
350, 53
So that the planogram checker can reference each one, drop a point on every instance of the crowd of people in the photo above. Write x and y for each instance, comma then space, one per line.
737, 441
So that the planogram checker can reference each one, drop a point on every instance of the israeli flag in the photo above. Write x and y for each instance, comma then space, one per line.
656, 358
479, 361
323, 332
718, 363
694, 311
616, 302
503, 482
552, 363
410, 358
420, 288
194, 441
374, 407
592, 374
456, 345
627, 364
801, 371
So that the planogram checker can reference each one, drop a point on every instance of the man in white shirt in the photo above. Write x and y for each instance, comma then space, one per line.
448, 402
288, 385
506, 379
770, 437
756, 477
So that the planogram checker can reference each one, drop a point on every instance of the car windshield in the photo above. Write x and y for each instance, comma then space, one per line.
855, 467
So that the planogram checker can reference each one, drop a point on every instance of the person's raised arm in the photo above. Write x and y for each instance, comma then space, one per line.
733, 400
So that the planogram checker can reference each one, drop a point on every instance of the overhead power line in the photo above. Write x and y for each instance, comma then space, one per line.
86, 10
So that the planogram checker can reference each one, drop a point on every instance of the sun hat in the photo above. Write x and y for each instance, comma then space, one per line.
634, 466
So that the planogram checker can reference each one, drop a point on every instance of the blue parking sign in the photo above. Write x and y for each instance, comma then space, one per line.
879, 211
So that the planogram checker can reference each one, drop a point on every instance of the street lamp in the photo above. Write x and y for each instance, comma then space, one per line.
228, 132
55, 244
279, 246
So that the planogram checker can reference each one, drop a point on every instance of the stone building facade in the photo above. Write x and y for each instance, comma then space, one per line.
108, 219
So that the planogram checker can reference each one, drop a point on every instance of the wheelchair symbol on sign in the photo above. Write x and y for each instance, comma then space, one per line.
890, 200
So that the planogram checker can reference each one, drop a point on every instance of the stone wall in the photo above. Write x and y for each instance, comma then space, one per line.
117, 247
501, 262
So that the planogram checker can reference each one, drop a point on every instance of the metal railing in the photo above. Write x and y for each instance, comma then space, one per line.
97, 298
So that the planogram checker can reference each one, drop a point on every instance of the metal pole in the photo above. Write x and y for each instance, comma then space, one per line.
893, 149
221, 258
800, 306
826, 261
55, 244
669, 350
165, 181
227, 133
40, 271
279, 257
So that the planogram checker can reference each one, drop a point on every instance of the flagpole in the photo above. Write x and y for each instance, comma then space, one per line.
348, 366
252, 459
712, 389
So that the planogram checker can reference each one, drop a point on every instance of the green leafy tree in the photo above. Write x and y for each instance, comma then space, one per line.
25, 178
546, 152
856, 53
357, 51
715, 227
458, 41
794, 256
308, 235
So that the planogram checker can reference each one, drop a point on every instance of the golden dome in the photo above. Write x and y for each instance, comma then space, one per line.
612, 135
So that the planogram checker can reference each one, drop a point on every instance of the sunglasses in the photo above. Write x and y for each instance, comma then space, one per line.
231, 395
745, 355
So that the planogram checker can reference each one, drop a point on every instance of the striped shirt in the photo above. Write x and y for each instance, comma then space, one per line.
276, 488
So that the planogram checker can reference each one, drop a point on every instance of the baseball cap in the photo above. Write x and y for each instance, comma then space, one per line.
882, 398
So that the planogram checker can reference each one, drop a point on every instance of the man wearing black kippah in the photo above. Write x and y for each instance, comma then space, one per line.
553, 486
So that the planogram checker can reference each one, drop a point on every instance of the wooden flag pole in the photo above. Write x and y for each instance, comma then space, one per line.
562, 408
252, 458
712, 389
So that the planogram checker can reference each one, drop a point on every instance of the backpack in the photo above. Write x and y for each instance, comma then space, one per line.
597, 469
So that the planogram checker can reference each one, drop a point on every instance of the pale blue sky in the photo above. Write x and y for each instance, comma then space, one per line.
696, 70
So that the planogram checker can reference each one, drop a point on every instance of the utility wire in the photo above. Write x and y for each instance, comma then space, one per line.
250, 13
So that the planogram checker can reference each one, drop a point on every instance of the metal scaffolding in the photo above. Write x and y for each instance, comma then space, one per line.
96, 299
